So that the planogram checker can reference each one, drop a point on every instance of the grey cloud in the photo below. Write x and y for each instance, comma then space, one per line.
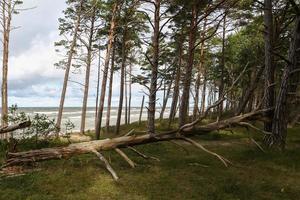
35, 22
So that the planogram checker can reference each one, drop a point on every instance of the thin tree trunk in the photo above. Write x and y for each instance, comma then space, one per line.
111, 77
177, 82
87, 73
122, 82
6, 23
130, 83
249, 92
269, 64
221, 88
105, 72
183, 114
203, 100
200, 69
126, 97
154, 71
141, 111
166, 100
281, 113
68, 67
98, 86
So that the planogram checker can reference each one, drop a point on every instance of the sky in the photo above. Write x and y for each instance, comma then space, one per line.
33, 80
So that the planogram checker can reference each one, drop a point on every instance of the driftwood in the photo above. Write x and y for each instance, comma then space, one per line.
122, 142
14, 127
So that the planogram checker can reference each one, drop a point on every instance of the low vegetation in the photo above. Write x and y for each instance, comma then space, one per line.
183, 172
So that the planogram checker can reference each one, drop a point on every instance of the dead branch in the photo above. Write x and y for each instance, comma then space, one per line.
107, 165
245, 124
258, 145
221, 158
125, 157
14, 127
143, 155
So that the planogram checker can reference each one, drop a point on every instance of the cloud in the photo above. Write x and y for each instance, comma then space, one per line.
40, 20
33, 80
34, 66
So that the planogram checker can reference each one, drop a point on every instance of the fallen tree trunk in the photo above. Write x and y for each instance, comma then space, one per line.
14, 127
122, 142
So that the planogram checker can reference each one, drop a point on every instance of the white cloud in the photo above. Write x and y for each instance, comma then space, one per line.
33, 79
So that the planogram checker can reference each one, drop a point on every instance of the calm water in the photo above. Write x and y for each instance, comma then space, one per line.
74, 115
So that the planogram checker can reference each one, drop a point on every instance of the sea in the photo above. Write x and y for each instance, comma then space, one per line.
74, 115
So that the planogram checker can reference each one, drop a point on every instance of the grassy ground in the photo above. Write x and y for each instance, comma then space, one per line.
180, 174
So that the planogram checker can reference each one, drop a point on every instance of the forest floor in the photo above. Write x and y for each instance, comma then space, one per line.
181, 173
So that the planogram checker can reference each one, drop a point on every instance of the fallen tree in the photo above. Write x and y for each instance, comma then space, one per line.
117, 143
14, 127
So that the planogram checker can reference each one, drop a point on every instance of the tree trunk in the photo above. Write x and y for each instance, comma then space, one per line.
68, 67
269, 64
281, 113
98, 85
111, 77
154, 71
177, 81
249, 92
183, 113
203, 100
141, 111
6, 24
122, 142
126, 97
200, 69
122, 82
14, 127
105, 72
87, 73
221, 87
129, 101
165, 102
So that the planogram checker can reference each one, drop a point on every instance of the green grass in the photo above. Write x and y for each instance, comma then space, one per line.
179, 175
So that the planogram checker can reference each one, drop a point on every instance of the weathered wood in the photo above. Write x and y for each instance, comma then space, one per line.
14, 127
107, 165
126, 158
143, 155
123, 141
196, 144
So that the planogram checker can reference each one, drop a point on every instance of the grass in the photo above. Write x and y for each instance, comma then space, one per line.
179, 174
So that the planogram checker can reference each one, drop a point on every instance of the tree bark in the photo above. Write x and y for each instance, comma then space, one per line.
6, 24
68, 67
141, 111
200, 72
105, 72
177, 80
221, 87
203, 99
249, 92
129, 100
269, 63
154, 71
126, 97
111, 77
122, 82
88, 71
183, 113
98, 85
281, 113
165, 102
14, 127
